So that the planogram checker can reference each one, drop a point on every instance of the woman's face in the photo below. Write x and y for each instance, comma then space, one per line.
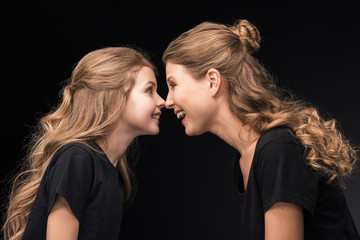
143, 108
190, 96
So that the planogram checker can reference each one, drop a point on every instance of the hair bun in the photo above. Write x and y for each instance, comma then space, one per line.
248, 34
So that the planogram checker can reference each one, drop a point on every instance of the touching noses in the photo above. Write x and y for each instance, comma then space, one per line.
169, 102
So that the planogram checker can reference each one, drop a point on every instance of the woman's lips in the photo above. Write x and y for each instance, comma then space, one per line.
181, 114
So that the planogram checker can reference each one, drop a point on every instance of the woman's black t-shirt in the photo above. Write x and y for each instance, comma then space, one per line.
91, 185
279, 174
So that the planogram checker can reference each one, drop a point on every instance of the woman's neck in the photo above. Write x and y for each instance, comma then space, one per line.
229, 128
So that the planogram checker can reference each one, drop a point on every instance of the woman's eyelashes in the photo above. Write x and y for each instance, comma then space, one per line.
172, 85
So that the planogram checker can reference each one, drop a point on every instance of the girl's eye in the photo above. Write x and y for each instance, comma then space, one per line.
149, 90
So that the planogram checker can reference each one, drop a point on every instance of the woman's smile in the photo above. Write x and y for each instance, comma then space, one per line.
190, 98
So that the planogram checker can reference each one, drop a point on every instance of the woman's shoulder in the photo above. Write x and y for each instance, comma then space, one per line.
279, 136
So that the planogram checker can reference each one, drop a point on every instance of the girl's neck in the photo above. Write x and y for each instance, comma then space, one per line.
116, 143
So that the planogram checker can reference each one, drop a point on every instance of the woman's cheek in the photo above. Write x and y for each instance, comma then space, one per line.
179, 98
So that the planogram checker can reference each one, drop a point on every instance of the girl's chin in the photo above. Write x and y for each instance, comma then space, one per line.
155, 131
151, 130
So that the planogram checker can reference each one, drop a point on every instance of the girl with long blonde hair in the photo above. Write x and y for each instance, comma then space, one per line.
76, 178
291, 161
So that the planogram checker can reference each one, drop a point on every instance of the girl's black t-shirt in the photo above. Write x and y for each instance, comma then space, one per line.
91, 185
279, 173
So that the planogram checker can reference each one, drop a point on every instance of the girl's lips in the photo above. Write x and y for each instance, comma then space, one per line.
156, 115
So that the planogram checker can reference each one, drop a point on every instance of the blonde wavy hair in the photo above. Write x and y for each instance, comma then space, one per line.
91, 105
254, 97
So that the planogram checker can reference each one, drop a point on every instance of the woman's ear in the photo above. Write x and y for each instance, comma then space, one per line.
214, 79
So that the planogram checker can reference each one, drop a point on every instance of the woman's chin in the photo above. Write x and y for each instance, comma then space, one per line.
193, 132
188, 133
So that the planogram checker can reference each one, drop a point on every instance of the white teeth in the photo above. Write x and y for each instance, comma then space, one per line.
180, 114
156, 116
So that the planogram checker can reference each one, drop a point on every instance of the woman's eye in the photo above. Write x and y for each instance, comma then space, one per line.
172, 85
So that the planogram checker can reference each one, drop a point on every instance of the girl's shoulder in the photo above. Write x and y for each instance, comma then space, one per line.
81, 153
78, 148
85, 153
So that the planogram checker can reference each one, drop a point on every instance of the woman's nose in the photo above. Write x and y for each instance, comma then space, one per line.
161, 102
169, 102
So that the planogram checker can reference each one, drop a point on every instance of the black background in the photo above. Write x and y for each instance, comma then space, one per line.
185, 186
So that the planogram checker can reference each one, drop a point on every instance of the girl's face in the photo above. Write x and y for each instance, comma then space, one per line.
191, 96
143, 108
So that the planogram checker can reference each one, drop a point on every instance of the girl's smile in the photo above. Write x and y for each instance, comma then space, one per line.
143, 108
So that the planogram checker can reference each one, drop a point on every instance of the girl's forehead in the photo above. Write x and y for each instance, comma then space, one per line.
145, 76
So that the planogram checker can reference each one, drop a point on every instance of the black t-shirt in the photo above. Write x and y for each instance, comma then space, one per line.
91, 185
279, 174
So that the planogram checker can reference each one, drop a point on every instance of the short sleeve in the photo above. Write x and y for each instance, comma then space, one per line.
283, 176
71, 176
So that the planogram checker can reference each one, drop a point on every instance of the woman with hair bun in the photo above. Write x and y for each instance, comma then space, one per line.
76, 178
291, 162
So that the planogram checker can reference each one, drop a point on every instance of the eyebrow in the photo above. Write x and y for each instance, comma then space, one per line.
170, 78
151, 82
